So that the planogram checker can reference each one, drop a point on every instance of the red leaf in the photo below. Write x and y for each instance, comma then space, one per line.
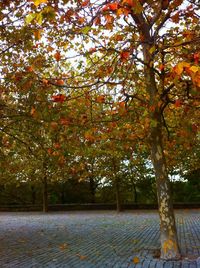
178, 103
175, 18
161, 67
196, 57
125, 55
64, 121
57, 56
58, 98
194, 128
85, 3
112, 7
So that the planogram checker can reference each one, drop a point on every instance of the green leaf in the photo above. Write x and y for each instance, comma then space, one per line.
86, 29
153, 123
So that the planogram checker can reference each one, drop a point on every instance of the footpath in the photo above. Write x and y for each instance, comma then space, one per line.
102, 239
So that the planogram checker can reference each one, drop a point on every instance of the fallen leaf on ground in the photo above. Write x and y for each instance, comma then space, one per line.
63, 246
81, 257
136, 260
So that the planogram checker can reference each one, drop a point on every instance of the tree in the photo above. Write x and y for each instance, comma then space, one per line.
146, 63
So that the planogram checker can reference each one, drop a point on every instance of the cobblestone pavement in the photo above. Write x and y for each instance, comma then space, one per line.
94, 239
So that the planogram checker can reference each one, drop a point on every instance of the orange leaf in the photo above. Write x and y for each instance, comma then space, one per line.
89, 136
33, 111
29, 69
122, 104
85, 3
63, 246
109, 18
179, 68
60, 82
57, 56
45, 81
82, 257
54, 125
100, 99
37, 34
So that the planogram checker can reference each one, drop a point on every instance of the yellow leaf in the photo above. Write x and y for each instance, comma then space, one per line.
39, 18
152, 50
136, 260
180, 67
30, 17
194, 69
38, 2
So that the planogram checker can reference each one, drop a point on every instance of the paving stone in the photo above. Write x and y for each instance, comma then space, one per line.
93, 239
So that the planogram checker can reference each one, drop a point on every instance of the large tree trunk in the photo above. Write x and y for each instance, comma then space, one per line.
168, 233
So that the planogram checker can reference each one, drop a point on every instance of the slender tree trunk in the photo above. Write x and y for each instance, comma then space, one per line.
45, 194
62, 196
117, 187
118, 195
33, 195
92, 189
135, 193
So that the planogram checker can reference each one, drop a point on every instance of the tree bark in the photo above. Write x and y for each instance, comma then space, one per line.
92, 189
45, 194
135, 193
118, 196
33, 195
168, 234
